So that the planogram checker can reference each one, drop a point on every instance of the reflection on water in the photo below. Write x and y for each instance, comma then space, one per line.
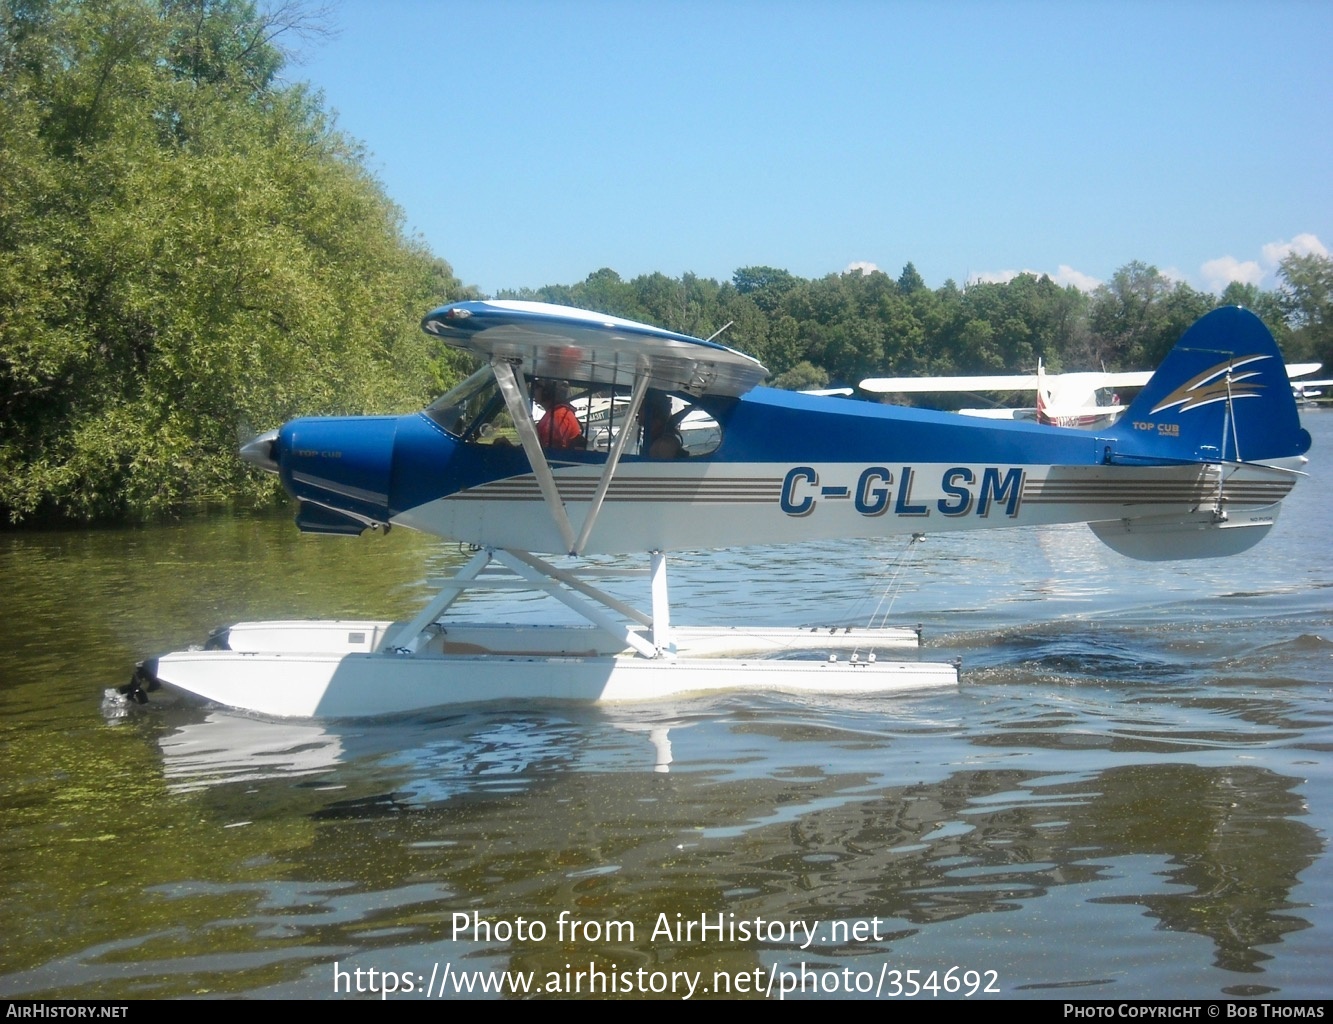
1127, 796
340, 841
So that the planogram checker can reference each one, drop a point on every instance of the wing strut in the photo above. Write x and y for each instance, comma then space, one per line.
613, 459
520, 411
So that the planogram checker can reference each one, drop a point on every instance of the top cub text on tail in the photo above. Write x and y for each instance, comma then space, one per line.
658, 442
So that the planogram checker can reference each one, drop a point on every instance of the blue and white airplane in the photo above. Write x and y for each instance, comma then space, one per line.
1197, 466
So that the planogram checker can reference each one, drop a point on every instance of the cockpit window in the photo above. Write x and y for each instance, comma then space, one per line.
699, 432
604, 412
668, 426
672, 427
467, 409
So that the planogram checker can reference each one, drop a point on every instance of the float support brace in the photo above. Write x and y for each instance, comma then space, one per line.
587, 610
408, 637
661, 605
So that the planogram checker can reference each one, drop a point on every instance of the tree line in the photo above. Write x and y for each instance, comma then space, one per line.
841, 328
191, 252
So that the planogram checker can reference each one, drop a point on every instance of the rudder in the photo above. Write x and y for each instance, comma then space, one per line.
1221, 395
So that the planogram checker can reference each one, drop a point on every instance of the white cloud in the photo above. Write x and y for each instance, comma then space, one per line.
1219, 273
1066, 275
864, 266
1301, 245
996, 276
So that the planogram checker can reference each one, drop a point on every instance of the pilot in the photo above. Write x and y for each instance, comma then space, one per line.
559, 426
661, 432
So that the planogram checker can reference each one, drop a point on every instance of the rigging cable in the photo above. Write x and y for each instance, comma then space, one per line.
891, 589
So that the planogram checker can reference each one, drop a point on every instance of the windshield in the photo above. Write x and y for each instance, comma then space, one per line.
465, 410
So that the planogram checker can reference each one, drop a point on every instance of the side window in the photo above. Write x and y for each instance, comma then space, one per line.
604, 412
700, 433
672, 427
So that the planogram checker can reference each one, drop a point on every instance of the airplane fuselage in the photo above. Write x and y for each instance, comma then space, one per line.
788, 467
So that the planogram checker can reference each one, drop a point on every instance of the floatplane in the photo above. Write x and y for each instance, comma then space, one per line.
1307, 391
1198, 466
1063, 399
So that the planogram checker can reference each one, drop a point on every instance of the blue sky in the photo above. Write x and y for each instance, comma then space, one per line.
532, 143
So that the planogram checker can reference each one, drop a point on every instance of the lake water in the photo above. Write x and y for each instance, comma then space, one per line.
1126, 797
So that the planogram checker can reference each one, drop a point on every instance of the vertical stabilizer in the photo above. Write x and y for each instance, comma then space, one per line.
1221, 395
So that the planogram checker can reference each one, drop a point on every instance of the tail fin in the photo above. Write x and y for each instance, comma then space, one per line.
1042, 415
1221, 395
1220, 401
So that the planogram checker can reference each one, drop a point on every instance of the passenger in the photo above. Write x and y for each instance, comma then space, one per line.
559, 426
661, 432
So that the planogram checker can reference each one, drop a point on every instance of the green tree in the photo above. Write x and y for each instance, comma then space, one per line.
766, 286
804, 376
1306, 296
1137, 317
604, 291
187, 252
909, 280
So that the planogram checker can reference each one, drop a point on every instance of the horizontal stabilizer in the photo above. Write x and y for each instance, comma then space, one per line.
1202, 534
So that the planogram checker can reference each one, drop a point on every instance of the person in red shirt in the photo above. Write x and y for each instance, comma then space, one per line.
559, 427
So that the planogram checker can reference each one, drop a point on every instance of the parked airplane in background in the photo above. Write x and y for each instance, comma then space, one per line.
1197, 466
1306, 390
1063, 399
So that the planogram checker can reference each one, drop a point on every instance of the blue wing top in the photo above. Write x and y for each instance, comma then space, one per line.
575, 344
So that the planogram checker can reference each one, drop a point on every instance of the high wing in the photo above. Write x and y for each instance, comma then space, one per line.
575, 344
1301, 388
537, 340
